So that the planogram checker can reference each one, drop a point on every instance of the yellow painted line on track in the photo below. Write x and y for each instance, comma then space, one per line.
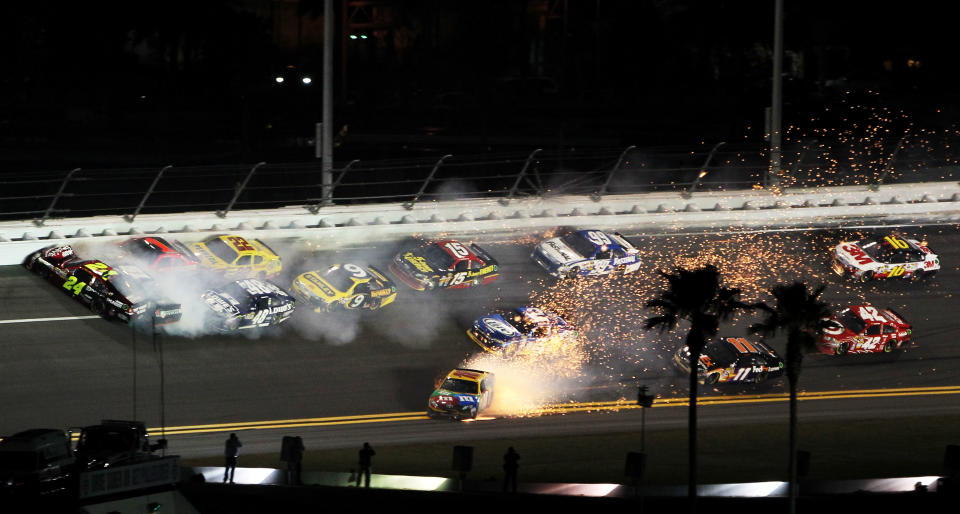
597, 406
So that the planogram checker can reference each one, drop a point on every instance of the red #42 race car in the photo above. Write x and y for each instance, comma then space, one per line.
864, 329
445, 264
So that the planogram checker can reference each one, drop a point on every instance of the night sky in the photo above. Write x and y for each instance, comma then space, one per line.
115, 83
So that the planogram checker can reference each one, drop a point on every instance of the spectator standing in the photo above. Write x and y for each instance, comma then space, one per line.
366, 455
510, 466
231, 453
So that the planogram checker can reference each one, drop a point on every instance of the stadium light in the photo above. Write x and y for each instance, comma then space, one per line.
278, 80
306, 80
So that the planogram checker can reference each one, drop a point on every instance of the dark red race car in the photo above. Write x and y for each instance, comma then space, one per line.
126, 293
864, 329
445, 264
159, 254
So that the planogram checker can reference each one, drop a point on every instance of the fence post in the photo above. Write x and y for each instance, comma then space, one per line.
703, 171
416, 197
131, 217
223, 213
328, 190
523, 172
63, 185
889, 166
606, 183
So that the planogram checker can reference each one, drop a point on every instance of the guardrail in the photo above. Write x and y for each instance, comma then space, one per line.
339, 225
42, 196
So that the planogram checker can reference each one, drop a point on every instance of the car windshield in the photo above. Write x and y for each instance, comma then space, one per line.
458, 385
720, 353
138, 248
851, 321
339, 278
437, 257
222, 250
132, 288
579, 244
241, 295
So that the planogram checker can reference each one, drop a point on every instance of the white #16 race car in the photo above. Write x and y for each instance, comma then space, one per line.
587, 252
888, 257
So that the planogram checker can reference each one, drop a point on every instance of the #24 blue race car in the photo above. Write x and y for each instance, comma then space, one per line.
587, 253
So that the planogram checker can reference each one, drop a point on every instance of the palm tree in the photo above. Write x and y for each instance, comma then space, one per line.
698, 297
800, 313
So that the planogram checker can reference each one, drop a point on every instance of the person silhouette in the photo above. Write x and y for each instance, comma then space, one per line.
366, 454
510, 466
231, 453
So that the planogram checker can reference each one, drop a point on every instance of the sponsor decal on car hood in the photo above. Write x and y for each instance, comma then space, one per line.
558, 252
222, 303
498, 327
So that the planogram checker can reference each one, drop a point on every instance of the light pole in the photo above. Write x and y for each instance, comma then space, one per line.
326, 159
776, 106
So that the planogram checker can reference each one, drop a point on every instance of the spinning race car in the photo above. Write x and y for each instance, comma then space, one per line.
236, 256
159, 254
526, 329
731, 360
586, 253
463, 394
122, 292
248, 303
887, 257
445, 264
864, 329
347, 286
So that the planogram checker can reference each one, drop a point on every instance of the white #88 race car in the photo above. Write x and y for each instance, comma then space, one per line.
587, 253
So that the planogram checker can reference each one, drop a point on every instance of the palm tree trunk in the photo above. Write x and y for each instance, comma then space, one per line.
792, 473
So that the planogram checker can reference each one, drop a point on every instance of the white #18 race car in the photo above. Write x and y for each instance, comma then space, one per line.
888, 257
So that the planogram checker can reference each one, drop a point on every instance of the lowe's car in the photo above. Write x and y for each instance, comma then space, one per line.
882, 258
733, 360
526, 329
586, 253
248, 303
463, 394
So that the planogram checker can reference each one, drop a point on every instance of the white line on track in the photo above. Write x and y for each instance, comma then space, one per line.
40, 320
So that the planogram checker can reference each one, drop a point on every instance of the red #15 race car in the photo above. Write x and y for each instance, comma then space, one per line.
122, 292
888, 257
864, 329
445, 264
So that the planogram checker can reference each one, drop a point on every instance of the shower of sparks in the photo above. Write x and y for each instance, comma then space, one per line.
609, 312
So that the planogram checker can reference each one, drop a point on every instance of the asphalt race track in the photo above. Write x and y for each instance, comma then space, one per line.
344, 379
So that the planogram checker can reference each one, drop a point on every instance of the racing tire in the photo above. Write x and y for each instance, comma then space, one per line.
712, 378
760, 377
572, 273
473, 413
98, 307
889, 347
842, 349
866, 277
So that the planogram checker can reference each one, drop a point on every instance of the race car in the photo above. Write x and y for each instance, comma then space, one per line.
733, 360
348, 286
463, 394
248, 303
159, 254
526, 329
445, 264
891, 256
586, 253
864, 329
125, 293
237, 256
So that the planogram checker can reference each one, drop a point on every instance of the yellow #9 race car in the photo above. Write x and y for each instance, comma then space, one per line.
237, 256
348, 286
